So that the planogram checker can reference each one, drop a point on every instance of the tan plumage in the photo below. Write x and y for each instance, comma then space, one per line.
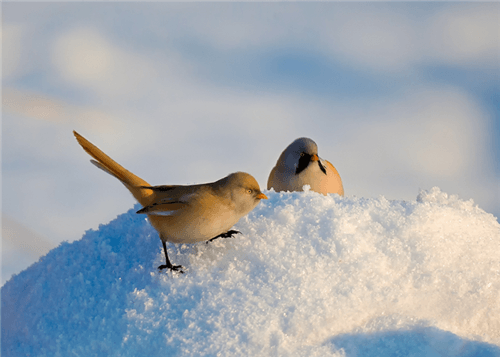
190, 213
299, 165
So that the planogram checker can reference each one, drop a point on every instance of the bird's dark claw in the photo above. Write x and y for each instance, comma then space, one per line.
228, 234
171, 267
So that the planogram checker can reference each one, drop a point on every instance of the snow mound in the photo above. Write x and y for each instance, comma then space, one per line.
311, 275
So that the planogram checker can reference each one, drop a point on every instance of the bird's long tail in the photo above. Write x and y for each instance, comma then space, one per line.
107, 164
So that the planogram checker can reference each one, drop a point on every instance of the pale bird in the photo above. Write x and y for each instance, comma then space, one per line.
188, 213
299, 165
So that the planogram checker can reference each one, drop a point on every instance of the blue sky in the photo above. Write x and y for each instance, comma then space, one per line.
398, 96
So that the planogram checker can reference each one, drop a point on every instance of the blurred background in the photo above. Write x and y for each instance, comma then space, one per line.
398, 96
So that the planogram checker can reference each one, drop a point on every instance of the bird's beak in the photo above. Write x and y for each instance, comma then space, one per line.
262, 196
314, 157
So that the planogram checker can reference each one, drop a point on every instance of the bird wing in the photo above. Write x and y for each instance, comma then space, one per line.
271, 181
169, 199
331, 167
161, 188
162, 208
333, 173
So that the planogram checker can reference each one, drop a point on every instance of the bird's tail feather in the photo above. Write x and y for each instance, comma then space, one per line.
107, 164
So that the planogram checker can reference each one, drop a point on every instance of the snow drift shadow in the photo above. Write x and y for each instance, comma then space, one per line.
416, 342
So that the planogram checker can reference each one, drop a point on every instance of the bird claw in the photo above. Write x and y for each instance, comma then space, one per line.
228, 234
171, 267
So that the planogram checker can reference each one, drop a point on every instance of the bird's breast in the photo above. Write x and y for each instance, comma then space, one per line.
194, 225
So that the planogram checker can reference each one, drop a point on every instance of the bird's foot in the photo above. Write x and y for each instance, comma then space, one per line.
171, 267
228, 234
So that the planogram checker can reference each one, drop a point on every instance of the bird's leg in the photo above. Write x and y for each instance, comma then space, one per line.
228, 234
169, 265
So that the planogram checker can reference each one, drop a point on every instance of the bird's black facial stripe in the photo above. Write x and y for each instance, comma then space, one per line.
322, 167
303, 162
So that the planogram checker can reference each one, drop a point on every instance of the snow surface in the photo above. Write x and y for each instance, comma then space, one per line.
311, 275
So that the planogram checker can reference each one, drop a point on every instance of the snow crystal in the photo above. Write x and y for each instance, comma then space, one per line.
311, 275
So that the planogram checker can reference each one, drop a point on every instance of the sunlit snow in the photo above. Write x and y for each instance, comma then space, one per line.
311, 275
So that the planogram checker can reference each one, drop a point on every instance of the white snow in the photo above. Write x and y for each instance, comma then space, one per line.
311, 275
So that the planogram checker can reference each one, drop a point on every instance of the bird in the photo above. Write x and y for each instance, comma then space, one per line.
299, 165
185, 213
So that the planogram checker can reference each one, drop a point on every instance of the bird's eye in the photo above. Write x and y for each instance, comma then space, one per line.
302, 154
249, 191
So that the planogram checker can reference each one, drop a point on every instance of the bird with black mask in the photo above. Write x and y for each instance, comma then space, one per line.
299, 165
